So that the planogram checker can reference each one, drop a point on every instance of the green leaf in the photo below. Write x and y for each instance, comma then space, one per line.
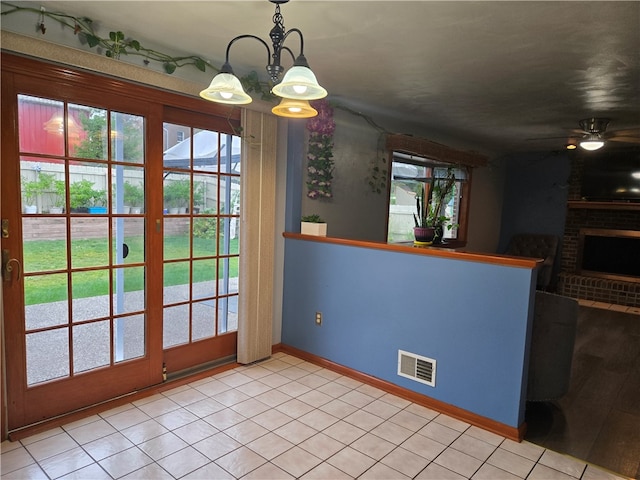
200, 65
169, 67
135, 44
112, 36
92, 40
109, 53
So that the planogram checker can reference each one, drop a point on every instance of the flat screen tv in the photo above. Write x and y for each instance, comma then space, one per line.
611, 176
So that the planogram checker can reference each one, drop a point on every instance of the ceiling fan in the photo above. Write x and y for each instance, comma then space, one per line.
593, 134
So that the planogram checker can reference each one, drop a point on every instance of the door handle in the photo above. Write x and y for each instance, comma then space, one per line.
7, 266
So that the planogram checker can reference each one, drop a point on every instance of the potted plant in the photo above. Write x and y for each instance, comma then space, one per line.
423, 230
313, 225
83, 198
177, 194
45, 189
80, 194
58, 197
98, 202
430, 218
133, 196
442, 191
52, 192
198, 197
30, 191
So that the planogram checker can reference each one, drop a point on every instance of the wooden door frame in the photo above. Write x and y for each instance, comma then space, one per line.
60, 78
182, 357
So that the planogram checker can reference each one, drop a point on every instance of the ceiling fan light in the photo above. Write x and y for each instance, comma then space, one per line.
594, 124
591, 144
226, 88
294, 109
299, 83
570, 146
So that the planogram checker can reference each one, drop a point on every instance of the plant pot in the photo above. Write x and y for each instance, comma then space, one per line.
55, 210
97, 209
30, 209
174, 210
135, 210
310, 228
424, 234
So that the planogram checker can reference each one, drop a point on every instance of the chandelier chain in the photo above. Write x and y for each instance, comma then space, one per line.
278, 19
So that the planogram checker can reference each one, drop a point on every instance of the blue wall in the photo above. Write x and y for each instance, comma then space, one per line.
472, 318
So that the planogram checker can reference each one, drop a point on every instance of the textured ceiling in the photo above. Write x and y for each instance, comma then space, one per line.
486, 75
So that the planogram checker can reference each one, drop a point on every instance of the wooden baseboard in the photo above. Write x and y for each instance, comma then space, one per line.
516, 434
58, 421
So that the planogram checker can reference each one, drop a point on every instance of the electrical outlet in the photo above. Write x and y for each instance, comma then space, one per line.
318, 318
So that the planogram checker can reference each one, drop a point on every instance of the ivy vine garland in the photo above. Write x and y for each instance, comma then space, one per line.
321, 128
118, 44
320, 152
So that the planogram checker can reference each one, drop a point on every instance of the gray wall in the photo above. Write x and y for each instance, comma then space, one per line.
535, 195
355, 212
485, 210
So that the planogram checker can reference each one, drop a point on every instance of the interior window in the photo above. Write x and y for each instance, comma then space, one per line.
410, 176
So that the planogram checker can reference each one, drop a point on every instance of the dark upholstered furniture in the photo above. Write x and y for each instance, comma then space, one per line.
552, 342
536, 246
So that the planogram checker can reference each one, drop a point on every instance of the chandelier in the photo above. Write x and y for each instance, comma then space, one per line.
296, 88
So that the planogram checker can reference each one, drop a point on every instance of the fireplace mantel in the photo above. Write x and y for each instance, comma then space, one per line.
583, 214
603, 205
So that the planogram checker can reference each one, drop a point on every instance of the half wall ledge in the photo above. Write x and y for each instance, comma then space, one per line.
443, 252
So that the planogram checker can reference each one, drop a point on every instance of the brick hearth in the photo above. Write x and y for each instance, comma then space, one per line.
599, 289
594, 215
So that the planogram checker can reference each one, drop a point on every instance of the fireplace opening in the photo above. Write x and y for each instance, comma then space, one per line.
609, 253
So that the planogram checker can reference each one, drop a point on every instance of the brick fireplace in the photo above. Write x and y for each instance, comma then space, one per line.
595, 216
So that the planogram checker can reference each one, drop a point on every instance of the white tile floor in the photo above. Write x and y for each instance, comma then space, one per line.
282, 418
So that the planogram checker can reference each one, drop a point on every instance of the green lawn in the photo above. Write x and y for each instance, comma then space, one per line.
47, 255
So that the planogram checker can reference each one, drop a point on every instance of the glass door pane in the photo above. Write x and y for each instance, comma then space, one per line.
81, 179
201, 194
84, 262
